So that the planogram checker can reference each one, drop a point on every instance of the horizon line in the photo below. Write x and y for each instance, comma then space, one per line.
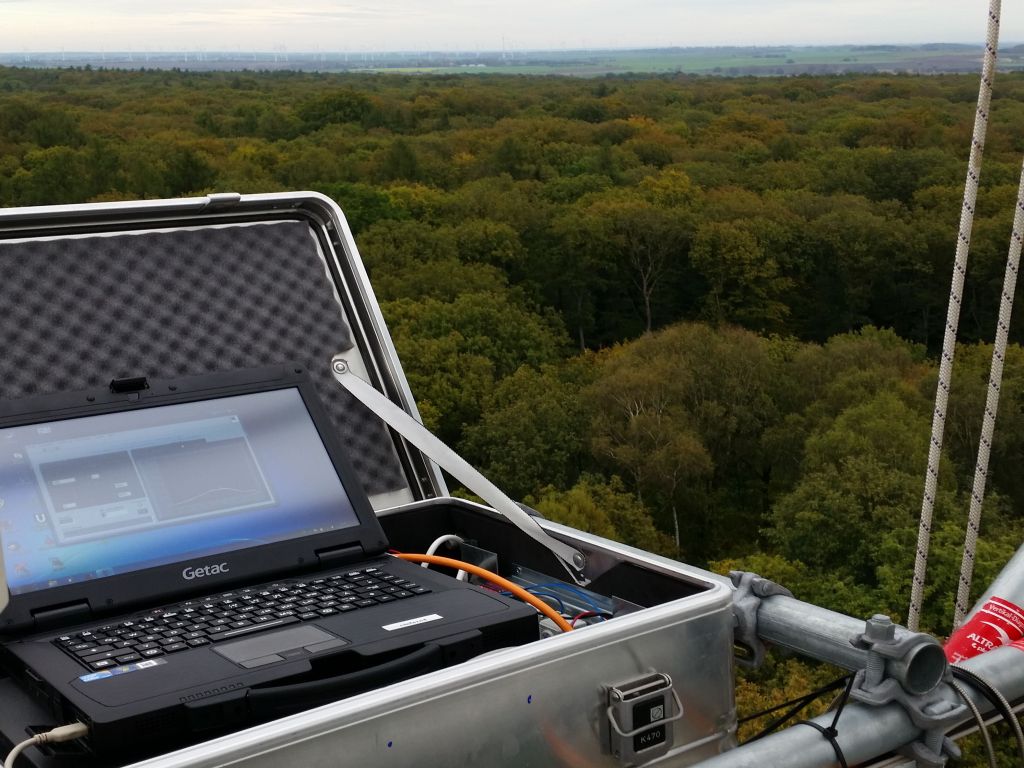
575, 49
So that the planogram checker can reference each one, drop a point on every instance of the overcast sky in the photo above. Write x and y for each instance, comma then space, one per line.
335, 25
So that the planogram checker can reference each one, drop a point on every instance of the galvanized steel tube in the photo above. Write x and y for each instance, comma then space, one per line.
866, 732
863, 733
812, 631
1003, 668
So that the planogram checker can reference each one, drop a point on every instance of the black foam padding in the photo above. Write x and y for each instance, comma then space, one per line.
76, 312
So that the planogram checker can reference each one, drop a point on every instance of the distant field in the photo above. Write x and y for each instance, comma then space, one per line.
726, 61
734, 61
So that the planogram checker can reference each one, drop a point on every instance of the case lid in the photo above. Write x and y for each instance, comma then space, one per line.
173, 288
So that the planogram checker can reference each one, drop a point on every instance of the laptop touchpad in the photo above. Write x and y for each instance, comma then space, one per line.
277, 646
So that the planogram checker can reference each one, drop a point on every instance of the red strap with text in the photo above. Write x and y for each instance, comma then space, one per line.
998, 622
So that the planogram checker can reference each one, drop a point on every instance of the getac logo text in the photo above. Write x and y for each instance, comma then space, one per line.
204, 570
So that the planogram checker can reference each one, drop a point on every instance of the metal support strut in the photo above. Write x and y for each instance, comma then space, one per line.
405, 425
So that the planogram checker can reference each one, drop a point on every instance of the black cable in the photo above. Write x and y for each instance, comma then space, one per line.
795, 704
834, 685
995, 698
979, 720
842, 701
774, 725
831, 733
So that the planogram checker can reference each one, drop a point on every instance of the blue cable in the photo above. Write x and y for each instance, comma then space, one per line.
553, 596
583, 596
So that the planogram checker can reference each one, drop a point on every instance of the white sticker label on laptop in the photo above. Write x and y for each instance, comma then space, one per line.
122, 670
411, 622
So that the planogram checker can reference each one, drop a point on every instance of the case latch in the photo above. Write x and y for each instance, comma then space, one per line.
640, 716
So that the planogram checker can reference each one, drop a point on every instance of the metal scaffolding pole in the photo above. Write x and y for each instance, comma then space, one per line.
866, 732
812, 631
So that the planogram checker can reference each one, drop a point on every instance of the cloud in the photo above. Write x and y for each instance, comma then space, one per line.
48, 25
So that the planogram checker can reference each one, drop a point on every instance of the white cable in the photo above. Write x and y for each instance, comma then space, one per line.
448, 538
9, 762
988, 423
931, 480
61, 733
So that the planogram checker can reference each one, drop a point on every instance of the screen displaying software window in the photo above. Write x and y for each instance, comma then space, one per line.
101, 495
135, 479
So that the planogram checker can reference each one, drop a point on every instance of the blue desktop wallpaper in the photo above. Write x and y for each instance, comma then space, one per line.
103, 495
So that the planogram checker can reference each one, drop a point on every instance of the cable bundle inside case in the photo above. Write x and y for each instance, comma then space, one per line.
494, 578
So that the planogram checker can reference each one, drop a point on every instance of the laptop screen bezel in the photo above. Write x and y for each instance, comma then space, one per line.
155, 585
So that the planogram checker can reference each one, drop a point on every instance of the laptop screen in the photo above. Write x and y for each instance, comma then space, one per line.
104, 495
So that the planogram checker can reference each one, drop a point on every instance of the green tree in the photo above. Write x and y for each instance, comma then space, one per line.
53, 175
339, 106
641, 425
681, 414
53, 128
400, 161
814, 384
578, 271
645, 241
187, 170
454, 351
744, 283
306, 166
862, 484
964, 417
605, 508
512, 156
488, 242
533, 429
390, 245
362, 204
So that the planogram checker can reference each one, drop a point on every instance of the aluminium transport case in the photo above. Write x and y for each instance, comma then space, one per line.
176, 287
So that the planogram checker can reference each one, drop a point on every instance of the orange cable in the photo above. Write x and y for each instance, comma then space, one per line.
494, 578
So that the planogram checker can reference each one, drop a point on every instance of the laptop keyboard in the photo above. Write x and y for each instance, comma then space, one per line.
233, 614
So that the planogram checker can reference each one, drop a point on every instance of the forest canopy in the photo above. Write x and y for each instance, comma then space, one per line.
699, 315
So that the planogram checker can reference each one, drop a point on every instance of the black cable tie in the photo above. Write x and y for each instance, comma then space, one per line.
797, 705
830, 734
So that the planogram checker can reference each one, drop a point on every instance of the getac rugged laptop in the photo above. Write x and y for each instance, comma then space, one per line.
186, 557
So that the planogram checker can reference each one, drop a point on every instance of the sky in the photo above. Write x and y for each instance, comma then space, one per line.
470, 25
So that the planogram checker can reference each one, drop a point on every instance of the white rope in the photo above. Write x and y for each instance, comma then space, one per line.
953, 315
988, 424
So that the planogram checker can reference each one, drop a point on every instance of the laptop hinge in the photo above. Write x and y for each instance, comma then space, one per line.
68, 613
340, 554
